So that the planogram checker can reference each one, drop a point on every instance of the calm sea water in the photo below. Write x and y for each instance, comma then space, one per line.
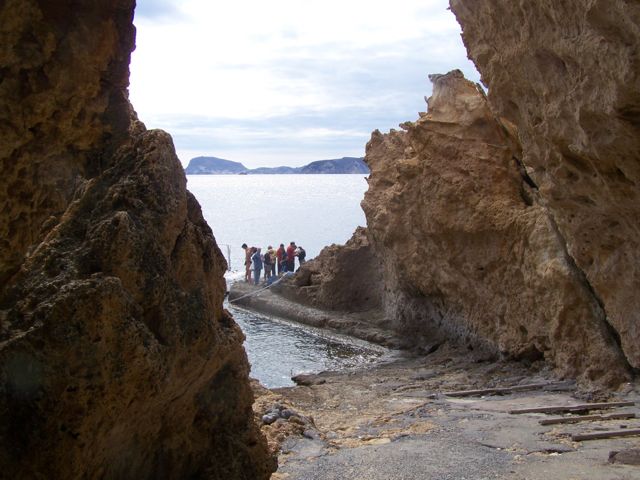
261, 210
278, 349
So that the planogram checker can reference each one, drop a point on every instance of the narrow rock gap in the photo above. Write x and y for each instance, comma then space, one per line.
585, 281
523, 172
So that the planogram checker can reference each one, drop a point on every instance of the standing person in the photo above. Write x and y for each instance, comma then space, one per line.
272, 254
280, 256
257, 265
247, 262
267, 263
300, 252
291, 257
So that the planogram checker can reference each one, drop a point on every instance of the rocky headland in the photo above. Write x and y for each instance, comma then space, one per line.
219, 166
117, 359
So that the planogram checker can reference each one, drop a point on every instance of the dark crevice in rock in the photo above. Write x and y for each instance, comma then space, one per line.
578, 132
523, 172
527, 183
630, 114
599, 304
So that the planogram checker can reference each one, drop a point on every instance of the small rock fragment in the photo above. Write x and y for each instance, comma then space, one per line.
625, 457
311, 434
307, 379
269, 418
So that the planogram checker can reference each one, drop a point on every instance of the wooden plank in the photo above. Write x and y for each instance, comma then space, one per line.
602, 435
500, 390
588, 418
585, 407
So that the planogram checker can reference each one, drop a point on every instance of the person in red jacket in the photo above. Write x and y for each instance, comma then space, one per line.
291, 257
280, 254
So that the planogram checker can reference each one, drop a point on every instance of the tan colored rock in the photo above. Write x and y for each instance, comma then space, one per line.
469, 253
343, 277
116, 357
567, 73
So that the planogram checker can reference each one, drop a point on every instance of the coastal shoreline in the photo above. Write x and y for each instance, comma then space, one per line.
357, 325
399, 421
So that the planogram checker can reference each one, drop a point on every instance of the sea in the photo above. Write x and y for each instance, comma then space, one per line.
266, 210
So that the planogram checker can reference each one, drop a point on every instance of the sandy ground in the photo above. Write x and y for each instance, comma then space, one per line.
394, 421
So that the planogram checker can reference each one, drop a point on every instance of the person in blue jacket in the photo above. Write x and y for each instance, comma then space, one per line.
256, 259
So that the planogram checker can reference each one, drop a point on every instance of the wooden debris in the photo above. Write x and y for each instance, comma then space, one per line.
587, 418
514, 388
581, 437
585, 407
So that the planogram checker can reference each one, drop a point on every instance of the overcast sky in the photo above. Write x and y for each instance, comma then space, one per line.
286, 82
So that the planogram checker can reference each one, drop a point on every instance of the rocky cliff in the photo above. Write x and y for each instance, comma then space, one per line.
343, 277
567, 73
470, 253
116, 357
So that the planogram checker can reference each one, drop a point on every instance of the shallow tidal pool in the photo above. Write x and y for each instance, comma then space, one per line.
278, 349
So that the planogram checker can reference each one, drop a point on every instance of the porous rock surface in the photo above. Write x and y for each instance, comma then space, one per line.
469, 252
567, 73
116, 357
343, 277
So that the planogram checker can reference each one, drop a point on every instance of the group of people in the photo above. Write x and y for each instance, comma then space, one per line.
273, 262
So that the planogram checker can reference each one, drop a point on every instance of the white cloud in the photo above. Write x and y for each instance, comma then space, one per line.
327, 61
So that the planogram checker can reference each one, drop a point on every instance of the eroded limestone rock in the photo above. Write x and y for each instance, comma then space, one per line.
343, 277
116, 357
469, 251
567, 73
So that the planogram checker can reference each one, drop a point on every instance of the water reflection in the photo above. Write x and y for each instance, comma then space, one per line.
278, 350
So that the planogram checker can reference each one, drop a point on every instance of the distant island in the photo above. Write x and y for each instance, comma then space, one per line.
220, 166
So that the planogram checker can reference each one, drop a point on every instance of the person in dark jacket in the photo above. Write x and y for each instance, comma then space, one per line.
257, 265
267, 263
301, 254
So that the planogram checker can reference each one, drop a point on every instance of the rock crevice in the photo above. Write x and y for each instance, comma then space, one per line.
566, 73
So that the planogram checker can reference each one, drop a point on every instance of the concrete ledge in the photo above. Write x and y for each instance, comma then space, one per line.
359, 325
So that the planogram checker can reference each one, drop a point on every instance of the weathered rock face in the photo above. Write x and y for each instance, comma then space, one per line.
567, 73
116, 357
469, 252
343, 277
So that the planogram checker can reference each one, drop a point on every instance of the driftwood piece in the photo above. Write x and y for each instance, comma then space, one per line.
587, 418
585, 407
514, 388
581, 437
